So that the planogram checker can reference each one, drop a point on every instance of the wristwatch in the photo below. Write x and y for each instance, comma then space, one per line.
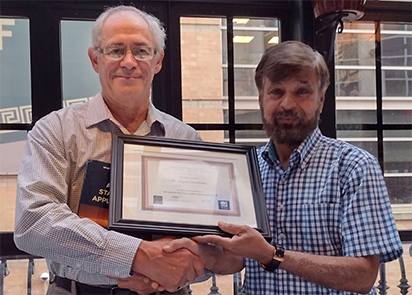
278, 257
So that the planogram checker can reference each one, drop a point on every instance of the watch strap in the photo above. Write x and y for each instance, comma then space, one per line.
278, 256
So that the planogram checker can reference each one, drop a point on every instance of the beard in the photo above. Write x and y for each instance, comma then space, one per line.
291, 134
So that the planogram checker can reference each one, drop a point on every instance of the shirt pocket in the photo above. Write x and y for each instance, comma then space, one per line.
319, 226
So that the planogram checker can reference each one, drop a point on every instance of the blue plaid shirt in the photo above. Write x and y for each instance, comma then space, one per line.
332, 200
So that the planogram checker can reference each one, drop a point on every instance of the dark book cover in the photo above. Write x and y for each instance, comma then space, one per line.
94, 199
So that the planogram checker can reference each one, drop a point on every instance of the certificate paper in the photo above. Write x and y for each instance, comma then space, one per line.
166, 186
189, 186
184, 182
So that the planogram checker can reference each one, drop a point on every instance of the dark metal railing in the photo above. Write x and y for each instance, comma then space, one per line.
403, 286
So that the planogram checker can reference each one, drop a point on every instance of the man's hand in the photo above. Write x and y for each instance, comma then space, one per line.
208, 253
212, 256
170, 270
246, 241
139, 284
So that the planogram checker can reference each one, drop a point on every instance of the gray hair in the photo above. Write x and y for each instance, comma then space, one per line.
155, 25
287, 59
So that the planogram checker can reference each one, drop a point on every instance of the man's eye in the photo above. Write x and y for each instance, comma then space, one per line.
302, 91
276, 91
141, 51
116, 51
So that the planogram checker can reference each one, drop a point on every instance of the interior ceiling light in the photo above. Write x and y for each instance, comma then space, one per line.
241, 20
242, 39
274, 39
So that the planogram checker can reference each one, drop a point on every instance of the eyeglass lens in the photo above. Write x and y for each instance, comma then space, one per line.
139, 52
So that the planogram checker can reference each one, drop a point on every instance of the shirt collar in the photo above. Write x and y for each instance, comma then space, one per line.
302, 153
98, 112
308, 147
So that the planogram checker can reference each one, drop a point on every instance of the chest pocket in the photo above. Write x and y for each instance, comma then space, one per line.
319, 228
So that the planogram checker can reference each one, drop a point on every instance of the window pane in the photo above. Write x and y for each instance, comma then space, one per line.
397, 83
344, 116
397, 116
247, 22
396, 73
80, 81
398, 165
399, 188
15, 78
355, 74
204, 65
249, 45
201, 70
245, 76
246, 116
355, 48
397, 27
255, 138
364, 139
212, 135
15, 91
251, 37
396, 45
355, 81
398, 151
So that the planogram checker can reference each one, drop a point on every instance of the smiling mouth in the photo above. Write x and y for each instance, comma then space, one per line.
127, 77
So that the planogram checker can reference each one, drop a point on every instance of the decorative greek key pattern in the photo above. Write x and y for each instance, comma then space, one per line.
23, 114
10, 115
69, 102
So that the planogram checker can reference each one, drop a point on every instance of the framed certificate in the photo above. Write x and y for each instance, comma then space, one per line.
183, 188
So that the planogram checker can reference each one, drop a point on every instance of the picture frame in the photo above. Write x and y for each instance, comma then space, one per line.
171, 187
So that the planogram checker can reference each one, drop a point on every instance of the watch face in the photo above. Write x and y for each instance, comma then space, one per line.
280, 251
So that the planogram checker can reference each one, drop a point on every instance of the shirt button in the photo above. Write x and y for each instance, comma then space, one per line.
282, 180
281, 236
281, 206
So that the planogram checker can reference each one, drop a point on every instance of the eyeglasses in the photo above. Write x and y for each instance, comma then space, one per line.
142, 52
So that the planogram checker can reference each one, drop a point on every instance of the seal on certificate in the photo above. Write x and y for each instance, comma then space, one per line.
157, 199
223, 204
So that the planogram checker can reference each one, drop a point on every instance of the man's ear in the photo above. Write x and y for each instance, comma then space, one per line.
92, 52
322, 102
159, 61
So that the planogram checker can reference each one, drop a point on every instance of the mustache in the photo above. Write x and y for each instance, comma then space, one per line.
288, 114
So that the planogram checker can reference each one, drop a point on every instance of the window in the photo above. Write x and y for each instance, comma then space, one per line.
206, 86
80, 81
374, 102
15, 90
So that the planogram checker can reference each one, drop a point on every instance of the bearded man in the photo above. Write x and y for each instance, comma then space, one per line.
327, 202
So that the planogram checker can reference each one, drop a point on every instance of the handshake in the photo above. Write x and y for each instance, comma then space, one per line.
168, 264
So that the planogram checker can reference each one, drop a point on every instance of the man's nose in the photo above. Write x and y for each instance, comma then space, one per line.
128, 60
288, 101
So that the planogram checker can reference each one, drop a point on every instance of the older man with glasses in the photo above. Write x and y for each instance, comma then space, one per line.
84, 257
